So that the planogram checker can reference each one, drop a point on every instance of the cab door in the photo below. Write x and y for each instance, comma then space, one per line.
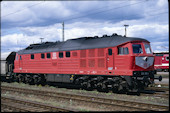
110, 60
20, 63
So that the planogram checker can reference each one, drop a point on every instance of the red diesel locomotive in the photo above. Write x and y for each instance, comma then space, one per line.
161, 61
104, 63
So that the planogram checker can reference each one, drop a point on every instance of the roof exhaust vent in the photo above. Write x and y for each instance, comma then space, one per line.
114, 34
96, 37
104, 35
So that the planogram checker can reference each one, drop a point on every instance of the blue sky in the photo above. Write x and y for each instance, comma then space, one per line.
25, 22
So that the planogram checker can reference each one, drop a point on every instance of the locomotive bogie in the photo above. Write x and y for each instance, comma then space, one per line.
29, 78
116, 84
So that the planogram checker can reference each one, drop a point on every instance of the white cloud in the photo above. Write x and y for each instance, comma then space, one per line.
54, 32
16, 11
16, 39
44, 21
4, 55
160, 46
162, 3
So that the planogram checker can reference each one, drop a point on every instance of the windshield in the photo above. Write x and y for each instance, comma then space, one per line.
137, 48
167, 58
147, 48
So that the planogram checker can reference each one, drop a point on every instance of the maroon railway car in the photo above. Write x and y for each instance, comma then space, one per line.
108, 62
161, 61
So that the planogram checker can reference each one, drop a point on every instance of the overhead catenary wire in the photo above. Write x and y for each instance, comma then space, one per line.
94, 13
69, 19
23, 9
118, 18
38, 4
148, 16
74, 15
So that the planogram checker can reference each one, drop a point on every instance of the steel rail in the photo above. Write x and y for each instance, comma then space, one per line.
97, 100
157, 94
158, 88
164, 95
29, 106
162, 84
92, 99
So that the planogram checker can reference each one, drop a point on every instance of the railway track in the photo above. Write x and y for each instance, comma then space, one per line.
160, 94
159, 89
156, 94
131, 105
164, 85
21, 105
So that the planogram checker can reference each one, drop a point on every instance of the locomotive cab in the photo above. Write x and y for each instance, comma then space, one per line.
143, 66
144, 59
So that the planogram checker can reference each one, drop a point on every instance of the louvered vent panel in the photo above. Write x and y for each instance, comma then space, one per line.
82, 63
91, 62
83, 53
74, 54
101, 62
91, 52
101, 52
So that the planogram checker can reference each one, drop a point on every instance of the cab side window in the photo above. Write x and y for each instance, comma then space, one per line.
167, 58
48, 55
42, 56
110, 51
126, 51
67, 53
16, 57
60, 54
123, 50
20, 57
120, 50
32, 56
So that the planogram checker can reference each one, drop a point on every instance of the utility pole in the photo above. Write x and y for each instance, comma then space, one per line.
125, 29
17, 44
63, 31
41, 39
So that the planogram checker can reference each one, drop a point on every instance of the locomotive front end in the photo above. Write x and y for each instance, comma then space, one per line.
143, 67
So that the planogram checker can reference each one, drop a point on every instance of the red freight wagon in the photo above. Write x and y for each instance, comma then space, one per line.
109, 62
161, 61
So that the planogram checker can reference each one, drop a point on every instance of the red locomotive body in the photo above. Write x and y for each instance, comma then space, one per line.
161, 61
116, 62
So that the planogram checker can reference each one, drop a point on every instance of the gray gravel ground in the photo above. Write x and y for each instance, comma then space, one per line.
147, 99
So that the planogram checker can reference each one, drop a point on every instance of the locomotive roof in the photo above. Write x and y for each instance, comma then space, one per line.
79, 44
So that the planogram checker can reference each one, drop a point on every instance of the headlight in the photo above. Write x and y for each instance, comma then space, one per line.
135, 73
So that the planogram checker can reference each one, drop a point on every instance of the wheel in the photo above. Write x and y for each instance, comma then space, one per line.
99, 86
20, 78
115, 88
16, 79
104, 87
29, 79
36, 79
89, 86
